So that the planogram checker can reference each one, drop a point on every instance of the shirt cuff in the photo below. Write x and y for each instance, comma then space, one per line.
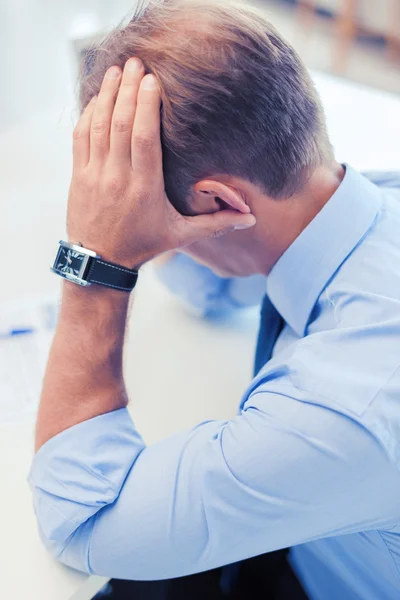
79, 471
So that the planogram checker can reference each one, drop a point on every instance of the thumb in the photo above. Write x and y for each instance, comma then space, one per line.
216, 224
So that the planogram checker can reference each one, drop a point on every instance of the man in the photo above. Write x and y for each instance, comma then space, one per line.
245, 181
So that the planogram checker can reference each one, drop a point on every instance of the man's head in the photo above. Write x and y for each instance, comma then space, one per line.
237, 102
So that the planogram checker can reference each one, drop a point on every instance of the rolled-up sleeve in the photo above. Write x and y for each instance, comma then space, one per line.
280, 474
78, 472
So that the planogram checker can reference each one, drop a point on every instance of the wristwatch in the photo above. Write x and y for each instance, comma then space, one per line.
84, 267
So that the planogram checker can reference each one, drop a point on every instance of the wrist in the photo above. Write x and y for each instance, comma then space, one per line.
117, 254
84, 267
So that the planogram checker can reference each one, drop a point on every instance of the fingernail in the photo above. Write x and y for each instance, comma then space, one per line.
150, 82
244, 225
114, 72
134, 64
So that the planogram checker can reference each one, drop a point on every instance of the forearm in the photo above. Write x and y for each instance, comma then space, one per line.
84, 376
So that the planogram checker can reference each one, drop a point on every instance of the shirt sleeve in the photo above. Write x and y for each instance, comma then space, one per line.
205, 292
283, 472
384, 179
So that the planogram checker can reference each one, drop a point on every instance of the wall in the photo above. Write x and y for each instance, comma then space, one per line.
35, 46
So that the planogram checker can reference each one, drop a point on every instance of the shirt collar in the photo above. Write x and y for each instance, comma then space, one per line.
299, 276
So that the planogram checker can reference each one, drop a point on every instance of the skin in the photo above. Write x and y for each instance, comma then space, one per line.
117, 206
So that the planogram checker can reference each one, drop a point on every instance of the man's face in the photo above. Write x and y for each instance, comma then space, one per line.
227, 256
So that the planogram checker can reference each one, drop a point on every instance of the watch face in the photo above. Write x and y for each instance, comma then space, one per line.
69, 261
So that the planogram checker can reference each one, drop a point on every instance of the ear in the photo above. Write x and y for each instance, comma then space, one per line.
209, 196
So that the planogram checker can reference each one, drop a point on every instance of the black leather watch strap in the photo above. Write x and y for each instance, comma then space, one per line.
110, 275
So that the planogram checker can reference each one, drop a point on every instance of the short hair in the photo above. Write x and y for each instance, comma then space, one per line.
236, 98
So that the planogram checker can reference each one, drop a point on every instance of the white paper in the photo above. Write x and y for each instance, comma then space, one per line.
23, 358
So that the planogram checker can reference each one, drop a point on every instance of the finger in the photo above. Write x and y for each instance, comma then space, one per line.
124, 111
146, 143
101, 120
81, 136
215, 225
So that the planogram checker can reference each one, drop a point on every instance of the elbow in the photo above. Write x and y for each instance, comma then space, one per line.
62, 552
70, 549
76, 474
65, 536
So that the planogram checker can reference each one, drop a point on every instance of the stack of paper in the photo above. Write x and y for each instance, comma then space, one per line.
26, 332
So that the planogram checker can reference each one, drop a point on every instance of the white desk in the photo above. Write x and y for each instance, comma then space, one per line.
167, 347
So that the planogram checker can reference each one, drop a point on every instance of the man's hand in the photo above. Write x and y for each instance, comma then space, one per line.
117, 202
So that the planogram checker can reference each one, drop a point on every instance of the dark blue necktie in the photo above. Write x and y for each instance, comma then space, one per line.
271, 324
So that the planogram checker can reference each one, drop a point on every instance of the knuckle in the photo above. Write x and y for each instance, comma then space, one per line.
217, 233
99, 127
115, 184
142, 194
121, 125
84, 182
143, 142
78, 133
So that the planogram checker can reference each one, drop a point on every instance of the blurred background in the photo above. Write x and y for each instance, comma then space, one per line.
353, 50
355, 39
40, 42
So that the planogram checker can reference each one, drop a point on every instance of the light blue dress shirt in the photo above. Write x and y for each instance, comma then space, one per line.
312, 459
